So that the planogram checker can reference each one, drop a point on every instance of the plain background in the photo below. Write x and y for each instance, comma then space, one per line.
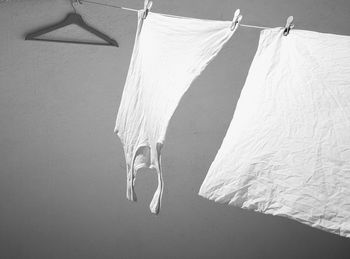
63, 179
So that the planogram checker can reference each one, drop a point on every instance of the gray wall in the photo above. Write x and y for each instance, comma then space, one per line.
62, 170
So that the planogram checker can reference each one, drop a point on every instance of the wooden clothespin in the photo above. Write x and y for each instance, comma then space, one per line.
236, 20
146, 8
289, 25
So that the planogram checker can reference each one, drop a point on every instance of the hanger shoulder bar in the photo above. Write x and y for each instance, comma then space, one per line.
72, 18
63, 23
97, 33
74, 42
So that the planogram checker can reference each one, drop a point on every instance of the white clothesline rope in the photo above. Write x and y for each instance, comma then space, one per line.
254, 26
135, 10
109, 5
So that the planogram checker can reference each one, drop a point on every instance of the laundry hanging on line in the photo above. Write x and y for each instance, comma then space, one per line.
169, 53
287, 150
281, 156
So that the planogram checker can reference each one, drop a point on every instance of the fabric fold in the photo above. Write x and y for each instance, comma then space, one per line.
169, 53
287, 149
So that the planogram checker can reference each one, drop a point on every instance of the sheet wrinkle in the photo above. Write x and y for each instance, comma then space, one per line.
286, 151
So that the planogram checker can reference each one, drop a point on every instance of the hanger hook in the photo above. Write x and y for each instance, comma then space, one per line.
72, 2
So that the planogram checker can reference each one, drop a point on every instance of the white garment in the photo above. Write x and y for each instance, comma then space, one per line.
287, 150
169, 53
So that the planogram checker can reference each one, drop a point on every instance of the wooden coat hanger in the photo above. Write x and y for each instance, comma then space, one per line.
73, 18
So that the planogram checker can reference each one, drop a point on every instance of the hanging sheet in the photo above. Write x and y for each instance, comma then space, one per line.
169, 53
287, 150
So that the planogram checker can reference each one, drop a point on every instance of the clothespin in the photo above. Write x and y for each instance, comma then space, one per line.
236, 20
146, 8
289, 25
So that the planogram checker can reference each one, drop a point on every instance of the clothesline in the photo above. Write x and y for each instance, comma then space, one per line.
135, 10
